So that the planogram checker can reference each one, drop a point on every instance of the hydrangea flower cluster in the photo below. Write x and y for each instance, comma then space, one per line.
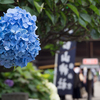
53, 90
18, 42
9, 82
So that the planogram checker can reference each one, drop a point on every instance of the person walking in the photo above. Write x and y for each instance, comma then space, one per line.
76, 84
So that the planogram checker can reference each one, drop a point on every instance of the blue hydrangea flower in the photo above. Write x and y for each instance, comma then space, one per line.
18, 42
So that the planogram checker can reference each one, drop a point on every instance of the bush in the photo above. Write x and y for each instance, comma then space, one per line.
25, 79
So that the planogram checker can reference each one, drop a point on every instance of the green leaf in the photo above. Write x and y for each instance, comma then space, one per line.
63, 18
94, 34
30, 66
56, 1
17, 75
92, 2
39, 87
79, 1
71, 0
73, 8
84, 3
6, 74
32, 87
95, 9
50, 15
31, 2
19, 70
50, 3
86, 17
82, 22
84, 11
47, 28
6, 1
46, 76
22, 80
27, 75
38, 7
57, 17
16, 89
64, 1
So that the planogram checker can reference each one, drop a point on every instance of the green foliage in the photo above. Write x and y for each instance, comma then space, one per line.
95, 9
38, 7
50, 15
74, 9
94, 34
54, 16
26, 79
6, 1
49, 74
86, 17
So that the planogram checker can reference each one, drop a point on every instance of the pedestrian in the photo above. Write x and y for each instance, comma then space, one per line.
93, 79
76, 84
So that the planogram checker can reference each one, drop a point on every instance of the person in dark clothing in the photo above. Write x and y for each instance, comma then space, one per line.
62, 97
76, 84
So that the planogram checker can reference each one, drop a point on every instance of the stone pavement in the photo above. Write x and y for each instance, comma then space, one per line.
96, 93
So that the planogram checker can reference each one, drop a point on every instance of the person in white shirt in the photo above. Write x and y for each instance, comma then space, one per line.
91, 76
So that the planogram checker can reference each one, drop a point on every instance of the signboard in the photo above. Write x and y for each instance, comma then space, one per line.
90, 66
90, 61
64, 62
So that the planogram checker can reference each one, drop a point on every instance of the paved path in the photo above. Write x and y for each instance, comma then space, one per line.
96, 92
97, 89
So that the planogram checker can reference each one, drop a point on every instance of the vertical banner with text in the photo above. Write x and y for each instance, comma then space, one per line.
64, 61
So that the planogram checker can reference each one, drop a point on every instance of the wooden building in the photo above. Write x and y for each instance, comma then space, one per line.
85, 49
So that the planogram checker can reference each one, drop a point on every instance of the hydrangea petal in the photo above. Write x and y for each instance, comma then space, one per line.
14, 28
25, 25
